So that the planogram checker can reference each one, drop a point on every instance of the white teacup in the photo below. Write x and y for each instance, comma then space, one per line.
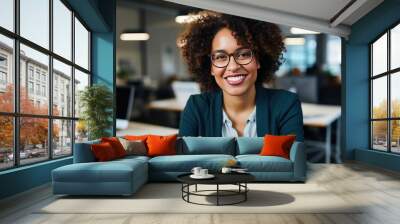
196, 170
226, 170
203, 172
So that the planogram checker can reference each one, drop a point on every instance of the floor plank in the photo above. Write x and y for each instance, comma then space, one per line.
377, 190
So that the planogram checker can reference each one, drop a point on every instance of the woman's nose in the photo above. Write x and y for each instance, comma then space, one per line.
232, 65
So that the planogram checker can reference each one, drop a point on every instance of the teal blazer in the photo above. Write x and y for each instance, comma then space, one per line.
278, 112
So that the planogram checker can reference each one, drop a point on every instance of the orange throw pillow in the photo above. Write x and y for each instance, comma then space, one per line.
161, 145
103, 152
136, 137
116, 145
277, 145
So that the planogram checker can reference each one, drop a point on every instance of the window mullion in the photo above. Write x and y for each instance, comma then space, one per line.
389, 92
50, 81
73, 82
16, 84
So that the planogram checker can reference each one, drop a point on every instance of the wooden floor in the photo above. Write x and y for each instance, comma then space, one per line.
378, 188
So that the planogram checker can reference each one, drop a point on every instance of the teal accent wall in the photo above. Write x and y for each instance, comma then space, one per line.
356, 85
24, 178
99, 15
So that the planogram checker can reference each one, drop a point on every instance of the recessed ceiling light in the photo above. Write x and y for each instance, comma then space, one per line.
134, 36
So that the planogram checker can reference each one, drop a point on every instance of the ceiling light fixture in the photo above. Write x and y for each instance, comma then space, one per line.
131, 36
294, 41
186, 18
295, 30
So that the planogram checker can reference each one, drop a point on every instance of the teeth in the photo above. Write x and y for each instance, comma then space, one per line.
235, 78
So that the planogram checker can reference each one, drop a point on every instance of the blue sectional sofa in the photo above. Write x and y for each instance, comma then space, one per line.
125, 176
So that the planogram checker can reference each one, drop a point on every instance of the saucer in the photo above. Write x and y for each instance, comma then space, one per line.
208, 176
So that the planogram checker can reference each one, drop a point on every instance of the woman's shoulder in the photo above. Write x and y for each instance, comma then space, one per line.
204, 98
277, 94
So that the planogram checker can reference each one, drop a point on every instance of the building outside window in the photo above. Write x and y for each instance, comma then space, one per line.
30, 87
385, 92
59, 126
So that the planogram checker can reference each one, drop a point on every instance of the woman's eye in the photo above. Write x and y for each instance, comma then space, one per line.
242, 55
220, 57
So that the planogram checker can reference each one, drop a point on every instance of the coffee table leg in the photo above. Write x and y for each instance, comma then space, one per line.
245, 191
217, 194
196, 188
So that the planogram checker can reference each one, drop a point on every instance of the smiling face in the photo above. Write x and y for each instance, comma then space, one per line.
234, 79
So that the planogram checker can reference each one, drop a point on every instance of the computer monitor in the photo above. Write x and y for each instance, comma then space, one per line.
125, 97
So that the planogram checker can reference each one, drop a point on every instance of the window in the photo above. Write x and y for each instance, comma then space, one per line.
30, 87
30, 72
3, 61
7, 14
3, 78
384, 92
56, 125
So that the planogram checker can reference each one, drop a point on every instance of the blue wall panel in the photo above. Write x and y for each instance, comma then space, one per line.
356, 84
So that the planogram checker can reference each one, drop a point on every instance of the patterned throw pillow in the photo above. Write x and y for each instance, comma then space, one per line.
134, 147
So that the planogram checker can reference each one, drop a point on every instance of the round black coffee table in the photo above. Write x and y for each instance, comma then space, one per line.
238, 179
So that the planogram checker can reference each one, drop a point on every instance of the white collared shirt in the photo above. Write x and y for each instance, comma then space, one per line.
250, 130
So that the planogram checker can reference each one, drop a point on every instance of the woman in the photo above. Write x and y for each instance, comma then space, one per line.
231, 57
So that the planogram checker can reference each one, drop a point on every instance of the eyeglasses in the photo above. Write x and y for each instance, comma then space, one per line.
241, 56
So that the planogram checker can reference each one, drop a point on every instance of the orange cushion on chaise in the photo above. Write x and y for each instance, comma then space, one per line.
161, 145
275, 145
103, 152
116, 145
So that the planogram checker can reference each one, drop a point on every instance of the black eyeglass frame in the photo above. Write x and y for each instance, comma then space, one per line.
233, 55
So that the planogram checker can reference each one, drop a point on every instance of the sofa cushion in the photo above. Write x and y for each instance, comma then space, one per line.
112, 171
257, 163
185, 163
248, 145
206, 145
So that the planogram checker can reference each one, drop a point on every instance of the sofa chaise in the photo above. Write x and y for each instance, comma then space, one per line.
125, 176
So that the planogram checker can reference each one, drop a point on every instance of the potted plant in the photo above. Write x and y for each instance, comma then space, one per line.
96, 102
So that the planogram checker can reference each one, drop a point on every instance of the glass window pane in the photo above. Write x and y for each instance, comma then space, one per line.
395, 94
62, 89
81, 45
395, 47
35, 21
81, 131
62, 138
379, 135
379, 55
6, 142
395, 136
81, 81
33, 139
379, 98
34, 96
6, 74
7, 14
62, 29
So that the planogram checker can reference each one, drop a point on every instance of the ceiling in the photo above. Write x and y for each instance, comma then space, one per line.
326, 16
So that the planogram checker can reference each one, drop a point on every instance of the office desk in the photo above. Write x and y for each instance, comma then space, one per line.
314, 115
137, 128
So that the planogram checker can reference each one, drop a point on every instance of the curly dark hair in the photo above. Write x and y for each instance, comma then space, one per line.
263, 38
